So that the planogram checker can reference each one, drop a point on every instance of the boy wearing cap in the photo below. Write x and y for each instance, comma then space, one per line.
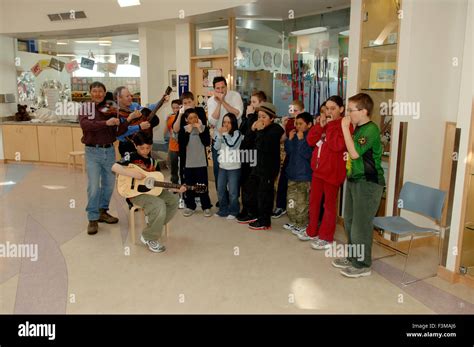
267, 141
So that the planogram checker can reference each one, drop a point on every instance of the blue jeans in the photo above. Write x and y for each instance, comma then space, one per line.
228, 191
100, 179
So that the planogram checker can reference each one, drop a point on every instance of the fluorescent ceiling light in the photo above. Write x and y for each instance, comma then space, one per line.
344, 33
128, 3
65, 55
7, 183
94, 41
135, 40
105, 44
309, 31
61, 43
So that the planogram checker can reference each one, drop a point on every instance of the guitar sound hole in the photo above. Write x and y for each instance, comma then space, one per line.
142, 189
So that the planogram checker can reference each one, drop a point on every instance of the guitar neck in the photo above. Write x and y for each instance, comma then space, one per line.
160, 103
168, 185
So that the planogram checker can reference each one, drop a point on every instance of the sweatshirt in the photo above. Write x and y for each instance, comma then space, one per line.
328, 161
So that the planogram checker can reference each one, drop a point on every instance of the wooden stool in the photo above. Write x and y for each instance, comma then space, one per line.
72, 160
131, 220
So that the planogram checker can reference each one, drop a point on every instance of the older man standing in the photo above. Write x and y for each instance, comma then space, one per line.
223, 102
100, 131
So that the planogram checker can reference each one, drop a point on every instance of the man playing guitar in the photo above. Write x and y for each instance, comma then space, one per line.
159, 209
126, 105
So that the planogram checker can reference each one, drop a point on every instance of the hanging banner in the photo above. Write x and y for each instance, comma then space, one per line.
87, 63
36, 69
135, 60
121, 58
72, 66
56, 64
107, 68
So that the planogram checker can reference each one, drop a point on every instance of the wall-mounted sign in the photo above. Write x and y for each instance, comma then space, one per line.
183, 86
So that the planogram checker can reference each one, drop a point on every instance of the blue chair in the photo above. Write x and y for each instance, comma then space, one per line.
419, 199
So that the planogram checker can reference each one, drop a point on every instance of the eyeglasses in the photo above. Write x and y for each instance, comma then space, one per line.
350, 111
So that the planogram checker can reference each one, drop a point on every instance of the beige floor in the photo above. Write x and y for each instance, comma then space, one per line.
211, 265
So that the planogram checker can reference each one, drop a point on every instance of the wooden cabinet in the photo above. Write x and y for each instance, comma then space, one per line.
77, 145
20, 142
54, 143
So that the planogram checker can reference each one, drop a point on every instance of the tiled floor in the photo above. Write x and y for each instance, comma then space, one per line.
211, 265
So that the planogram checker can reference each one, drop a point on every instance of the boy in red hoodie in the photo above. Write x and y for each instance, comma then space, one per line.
329, 172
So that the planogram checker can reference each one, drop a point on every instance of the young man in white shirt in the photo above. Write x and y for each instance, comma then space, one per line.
223, 102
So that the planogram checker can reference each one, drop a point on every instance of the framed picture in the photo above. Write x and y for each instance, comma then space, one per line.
382, 75
172, 79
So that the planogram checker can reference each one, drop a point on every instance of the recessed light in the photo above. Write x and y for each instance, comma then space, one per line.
128, 3
61, 43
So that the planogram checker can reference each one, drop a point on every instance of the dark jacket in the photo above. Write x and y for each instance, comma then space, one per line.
246, 129
183, 136
267, 143
299, 153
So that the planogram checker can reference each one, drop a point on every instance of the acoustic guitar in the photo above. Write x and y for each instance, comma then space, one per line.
152, 184
149, 115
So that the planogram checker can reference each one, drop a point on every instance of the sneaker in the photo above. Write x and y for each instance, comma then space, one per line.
207, 212
219, 215
305, 237
230, 217
341, 263
93, 227
278, 213
107, 218
354, 272
153, 246
246, 219
296, 231
289, 226
188, 212
257, 225
320, 244
181, 204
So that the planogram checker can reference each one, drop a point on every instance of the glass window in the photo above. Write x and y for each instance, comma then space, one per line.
300, 58
61, 69
211, 38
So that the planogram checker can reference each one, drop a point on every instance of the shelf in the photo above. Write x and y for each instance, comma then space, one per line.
198, 57
389, 45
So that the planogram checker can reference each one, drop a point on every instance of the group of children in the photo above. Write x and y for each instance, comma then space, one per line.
320, 153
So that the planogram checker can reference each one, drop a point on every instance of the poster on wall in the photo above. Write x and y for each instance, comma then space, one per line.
56, 64
121, 58
183, 84
382, 75
72, 66
135, 61
87, 63
36, 69
208, 76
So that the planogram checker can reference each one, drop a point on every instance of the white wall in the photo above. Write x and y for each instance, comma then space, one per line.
7, 73
426, 75
183, 53
354, 50
464, 119
7, 79
157, 57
